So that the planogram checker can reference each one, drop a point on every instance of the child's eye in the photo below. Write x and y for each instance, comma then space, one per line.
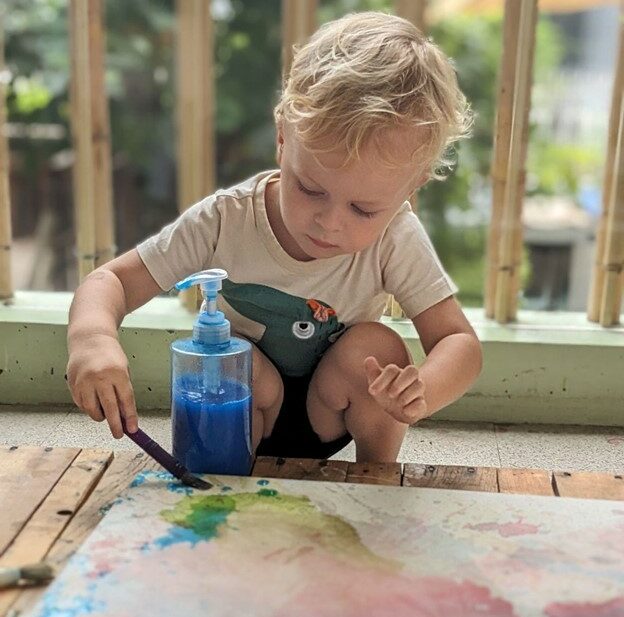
360, 212
307, 191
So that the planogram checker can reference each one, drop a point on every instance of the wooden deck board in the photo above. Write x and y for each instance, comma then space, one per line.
589, 485
300, 469
525, 482
375, 473
37, 468
451, 477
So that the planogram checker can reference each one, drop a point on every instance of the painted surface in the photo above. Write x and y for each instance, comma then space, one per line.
286, 548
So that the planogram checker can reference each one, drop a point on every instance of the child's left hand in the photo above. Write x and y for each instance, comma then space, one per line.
399, 391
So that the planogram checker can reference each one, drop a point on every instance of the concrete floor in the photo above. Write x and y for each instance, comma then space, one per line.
436, 443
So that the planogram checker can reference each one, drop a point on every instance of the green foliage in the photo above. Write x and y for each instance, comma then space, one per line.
558, 169
30, 95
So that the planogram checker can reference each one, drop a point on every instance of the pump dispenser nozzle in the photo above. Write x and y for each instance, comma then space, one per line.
211, 326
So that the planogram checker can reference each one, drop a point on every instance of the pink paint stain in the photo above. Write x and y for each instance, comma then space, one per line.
101, 567
615, 441
612, 608
392, 596
506, 529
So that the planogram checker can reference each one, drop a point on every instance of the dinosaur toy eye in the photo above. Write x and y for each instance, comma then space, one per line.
303, 329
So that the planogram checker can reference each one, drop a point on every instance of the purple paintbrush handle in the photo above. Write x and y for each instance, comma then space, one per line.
148, 445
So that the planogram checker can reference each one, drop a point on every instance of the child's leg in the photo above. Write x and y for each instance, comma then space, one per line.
338, 398
267, 396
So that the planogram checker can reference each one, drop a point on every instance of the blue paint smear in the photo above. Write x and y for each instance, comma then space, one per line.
175, 536
138, 480
70, 605
262, 482
173, 484
178, 487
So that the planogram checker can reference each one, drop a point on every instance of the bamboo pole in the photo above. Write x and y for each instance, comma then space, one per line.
195, 110
505, 303
613, 263
6, 284
412, 10
91, 137
502, 137
105, 248
525, 107
195, 102
598, 278
298, 23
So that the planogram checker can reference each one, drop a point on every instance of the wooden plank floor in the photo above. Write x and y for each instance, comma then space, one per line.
52, 498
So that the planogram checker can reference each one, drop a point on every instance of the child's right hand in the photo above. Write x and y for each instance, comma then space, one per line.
99, 381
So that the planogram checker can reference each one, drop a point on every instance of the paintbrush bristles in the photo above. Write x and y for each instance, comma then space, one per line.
194, 481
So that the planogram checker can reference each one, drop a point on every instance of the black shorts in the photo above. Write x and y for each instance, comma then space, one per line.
293, 435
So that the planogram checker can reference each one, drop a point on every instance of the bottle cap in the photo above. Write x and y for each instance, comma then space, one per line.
211, 327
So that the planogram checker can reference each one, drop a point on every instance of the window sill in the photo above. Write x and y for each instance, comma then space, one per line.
547, 368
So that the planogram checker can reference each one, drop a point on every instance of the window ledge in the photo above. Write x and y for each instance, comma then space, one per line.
560, 369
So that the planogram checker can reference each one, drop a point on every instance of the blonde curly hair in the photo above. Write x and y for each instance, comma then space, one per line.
367, 72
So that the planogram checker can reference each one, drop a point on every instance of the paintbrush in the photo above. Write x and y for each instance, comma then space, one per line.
161, 456
33, 574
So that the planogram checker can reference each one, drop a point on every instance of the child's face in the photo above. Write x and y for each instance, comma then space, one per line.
329, 210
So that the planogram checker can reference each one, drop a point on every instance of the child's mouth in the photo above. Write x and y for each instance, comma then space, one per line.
319, 243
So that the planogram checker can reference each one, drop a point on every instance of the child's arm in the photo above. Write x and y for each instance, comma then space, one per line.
452, 364
97, 371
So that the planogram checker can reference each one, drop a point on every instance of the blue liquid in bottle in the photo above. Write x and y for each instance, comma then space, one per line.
212, 428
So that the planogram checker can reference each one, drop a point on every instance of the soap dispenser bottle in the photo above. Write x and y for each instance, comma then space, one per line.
211, 389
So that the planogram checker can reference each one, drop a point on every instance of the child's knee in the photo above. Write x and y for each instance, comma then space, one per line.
371, 339
267, 385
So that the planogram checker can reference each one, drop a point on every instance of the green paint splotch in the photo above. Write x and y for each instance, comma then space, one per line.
291, 518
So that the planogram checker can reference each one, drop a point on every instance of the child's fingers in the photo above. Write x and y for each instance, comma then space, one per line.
406, 378
125, 395
411, 393
415, 411
110, 406
388, 375
372, 368
88, 401
76, 396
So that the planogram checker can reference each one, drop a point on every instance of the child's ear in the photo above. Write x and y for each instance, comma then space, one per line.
279, 143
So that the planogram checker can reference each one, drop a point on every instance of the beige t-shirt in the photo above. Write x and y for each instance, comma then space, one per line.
292, 309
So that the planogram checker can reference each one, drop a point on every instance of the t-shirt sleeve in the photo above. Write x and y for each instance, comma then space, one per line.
411, 270
185, 246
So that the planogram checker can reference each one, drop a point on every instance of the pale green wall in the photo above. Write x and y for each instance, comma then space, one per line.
550, 368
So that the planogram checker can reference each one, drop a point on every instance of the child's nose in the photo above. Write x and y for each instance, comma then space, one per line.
329, 219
